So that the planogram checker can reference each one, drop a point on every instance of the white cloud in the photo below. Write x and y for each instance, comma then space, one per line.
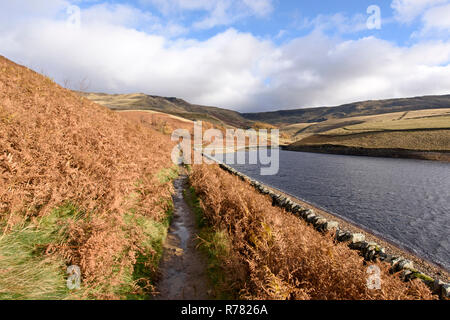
434, 15
325, 72
338, 23
259, 7
408, 10
130, 17
117, 14
437, 18
215, 12
19, 11
231, 69
168, 6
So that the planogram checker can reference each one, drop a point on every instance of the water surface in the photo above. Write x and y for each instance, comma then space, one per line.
405, 201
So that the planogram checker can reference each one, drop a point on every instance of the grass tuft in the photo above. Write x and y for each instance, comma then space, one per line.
214, 244
27, 269
168, 174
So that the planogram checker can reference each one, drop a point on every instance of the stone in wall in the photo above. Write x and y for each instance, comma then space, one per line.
445, 290
310, 217
343, 236
405, 264
440, 287
357, 237
331, 225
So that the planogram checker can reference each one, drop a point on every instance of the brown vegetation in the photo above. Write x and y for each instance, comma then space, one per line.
165, 123
173, 106
161, 122
58, 149
274, 255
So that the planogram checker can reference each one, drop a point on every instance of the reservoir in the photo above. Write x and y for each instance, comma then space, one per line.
406, 202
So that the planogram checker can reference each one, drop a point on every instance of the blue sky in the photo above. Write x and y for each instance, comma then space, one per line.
247, 55
286, 16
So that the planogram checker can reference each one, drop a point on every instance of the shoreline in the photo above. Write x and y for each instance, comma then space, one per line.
435, 155
421, 264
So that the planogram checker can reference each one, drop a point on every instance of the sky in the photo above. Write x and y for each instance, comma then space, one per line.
245, 55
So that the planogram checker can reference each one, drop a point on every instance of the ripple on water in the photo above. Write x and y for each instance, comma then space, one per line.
406, 201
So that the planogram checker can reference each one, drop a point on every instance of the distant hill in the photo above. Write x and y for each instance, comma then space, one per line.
410, 127
282, 118
422, 134
365, 108
174, 106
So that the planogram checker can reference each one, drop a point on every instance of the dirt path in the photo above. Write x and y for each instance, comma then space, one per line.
183, 268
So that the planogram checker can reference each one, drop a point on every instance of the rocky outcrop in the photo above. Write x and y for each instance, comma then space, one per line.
371, 251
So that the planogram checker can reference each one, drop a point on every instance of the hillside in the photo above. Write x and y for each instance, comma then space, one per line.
384, 127
365, 108
282, 119
174, 106
423, 134
79, 185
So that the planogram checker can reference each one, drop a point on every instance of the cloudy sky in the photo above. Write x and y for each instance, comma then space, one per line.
246, 55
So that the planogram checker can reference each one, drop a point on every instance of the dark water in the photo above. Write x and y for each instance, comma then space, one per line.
405, 201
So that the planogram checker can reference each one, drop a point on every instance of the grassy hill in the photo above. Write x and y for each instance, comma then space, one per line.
384, 127
418, 134
174, 106
365, 108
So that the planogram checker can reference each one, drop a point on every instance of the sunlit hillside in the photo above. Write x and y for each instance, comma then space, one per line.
80, 185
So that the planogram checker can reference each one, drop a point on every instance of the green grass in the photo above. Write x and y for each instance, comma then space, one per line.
137, 283
148, 260
143, 274
26, 272
413, 130
390, 125
216, 246
168, 174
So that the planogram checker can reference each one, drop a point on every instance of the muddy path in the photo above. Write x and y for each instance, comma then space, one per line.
183, 267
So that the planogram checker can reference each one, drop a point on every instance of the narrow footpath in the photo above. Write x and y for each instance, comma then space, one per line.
183, 267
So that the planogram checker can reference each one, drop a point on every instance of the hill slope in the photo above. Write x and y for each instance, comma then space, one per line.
283, 118
384, 127
365, 108
423, 134
79, 185
174, 106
